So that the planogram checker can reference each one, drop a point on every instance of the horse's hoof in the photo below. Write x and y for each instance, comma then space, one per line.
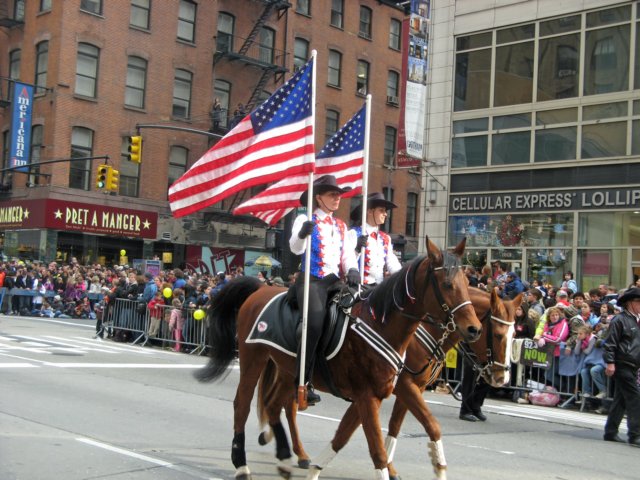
243, 473
284, 468
394, 477
262, 438
304, 463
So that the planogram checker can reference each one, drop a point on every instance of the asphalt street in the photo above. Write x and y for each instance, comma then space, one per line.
74, 407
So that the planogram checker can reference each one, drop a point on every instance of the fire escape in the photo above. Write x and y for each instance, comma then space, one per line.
269, 62
9, 19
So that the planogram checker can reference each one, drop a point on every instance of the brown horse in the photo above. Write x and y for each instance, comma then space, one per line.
432, 286
490, 356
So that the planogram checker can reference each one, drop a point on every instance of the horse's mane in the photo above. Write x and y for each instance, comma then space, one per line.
395, 291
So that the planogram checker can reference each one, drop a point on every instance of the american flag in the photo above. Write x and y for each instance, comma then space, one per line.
342, 157
273, 142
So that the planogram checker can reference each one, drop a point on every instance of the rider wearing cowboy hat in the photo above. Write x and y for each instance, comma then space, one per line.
622, 356
332, 257
374, 244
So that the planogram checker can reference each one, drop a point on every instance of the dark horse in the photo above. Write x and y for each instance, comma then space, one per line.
490, 356
432, 286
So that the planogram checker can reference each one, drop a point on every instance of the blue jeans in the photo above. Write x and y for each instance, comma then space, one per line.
595, 374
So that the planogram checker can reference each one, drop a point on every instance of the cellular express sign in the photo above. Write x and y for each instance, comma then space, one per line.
588, 199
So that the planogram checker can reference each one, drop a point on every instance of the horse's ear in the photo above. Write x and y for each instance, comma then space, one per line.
518, 300
459, 250
494, 298
433, 252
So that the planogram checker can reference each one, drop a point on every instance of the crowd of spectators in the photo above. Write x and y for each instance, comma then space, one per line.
571, 323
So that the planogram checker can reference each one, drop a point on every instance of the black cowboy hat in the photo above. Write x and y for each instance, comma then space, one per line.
374, 200
324, 184
629, 294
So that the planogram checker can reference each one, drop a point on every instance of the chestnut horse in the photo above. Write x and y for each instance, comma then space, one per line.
432, 286
490, 356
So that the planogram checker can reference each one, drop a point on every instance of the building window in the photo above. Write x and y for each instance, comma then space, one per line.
5, 153
178, 157
362, 79
91, 6
139, 17
393, 87
182, 94
337, 12
87, 70
267, 41
300, 53
514, 67
18, 10
388, 195
224, 37
332, 123
411, 224
136, 81
81, 147
129, 172
14, 70
365, 23
390, 136
42, 64
223, 93
187, 21
335, 64
606, 66
303, 7
45, 5
395, 34
37, 133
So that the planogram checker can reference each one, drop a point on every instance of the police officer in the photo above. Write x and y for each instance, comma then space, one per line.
622, 356
332, 258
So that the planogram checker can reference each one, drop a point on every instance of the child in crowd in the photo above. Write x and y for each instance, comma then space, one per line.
38, 299
155, 313
176, 322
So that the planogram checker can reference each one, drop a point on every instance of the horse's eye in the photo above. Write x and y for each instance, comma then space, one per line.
448, 285
499, 336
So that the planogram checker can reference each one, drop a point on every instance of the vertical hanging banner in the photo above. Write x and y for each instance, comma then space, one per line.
22, 109
414, 85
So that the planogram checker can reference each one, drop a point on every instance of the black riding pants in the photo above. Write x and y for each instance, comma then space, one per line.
318, 292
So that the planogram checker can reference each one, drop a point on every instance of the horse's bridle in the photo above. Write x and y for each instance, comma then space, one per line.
449, 326
484, 369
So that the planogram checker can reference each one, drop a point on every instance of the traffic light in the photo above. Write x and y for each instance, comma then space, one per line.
135, 149
101, 176
113, 180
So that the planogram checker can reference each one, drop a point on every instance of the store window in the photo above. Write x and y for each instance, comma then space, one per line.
81, 147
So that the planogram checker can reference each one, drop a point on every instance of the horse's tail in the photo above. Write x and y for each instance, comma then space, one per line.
224, 306
266, 384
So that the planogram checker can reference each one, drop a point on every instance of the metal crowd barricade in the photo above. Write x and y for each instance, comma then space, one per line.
151, 327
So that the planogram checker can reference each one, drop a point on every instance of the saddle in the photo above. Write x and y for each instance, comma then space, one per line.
279, 325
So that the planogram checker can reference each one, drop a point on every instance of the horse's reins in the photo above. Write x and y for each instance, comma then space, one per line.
380, 344
471, 357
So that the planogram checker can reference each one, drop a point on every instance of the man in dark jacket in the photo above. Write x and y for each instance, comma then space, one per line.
513, 287
622, 356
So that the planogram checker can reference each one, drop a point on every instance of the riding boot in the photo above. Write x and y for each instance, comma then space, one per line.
312, 396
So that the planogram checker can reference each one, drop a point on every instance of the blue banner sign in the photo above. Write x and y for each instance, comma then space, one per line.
21, 126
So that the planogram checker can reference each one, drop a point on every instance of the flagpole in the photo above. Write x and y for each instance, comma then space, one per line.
302, 389
365, 177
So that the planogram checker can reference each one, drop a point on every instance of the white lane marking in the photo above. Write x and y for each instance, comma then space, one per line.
18, 365
91, 345
35, 344
505, 452
168, 366
530, 417
139, 456
127, 453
